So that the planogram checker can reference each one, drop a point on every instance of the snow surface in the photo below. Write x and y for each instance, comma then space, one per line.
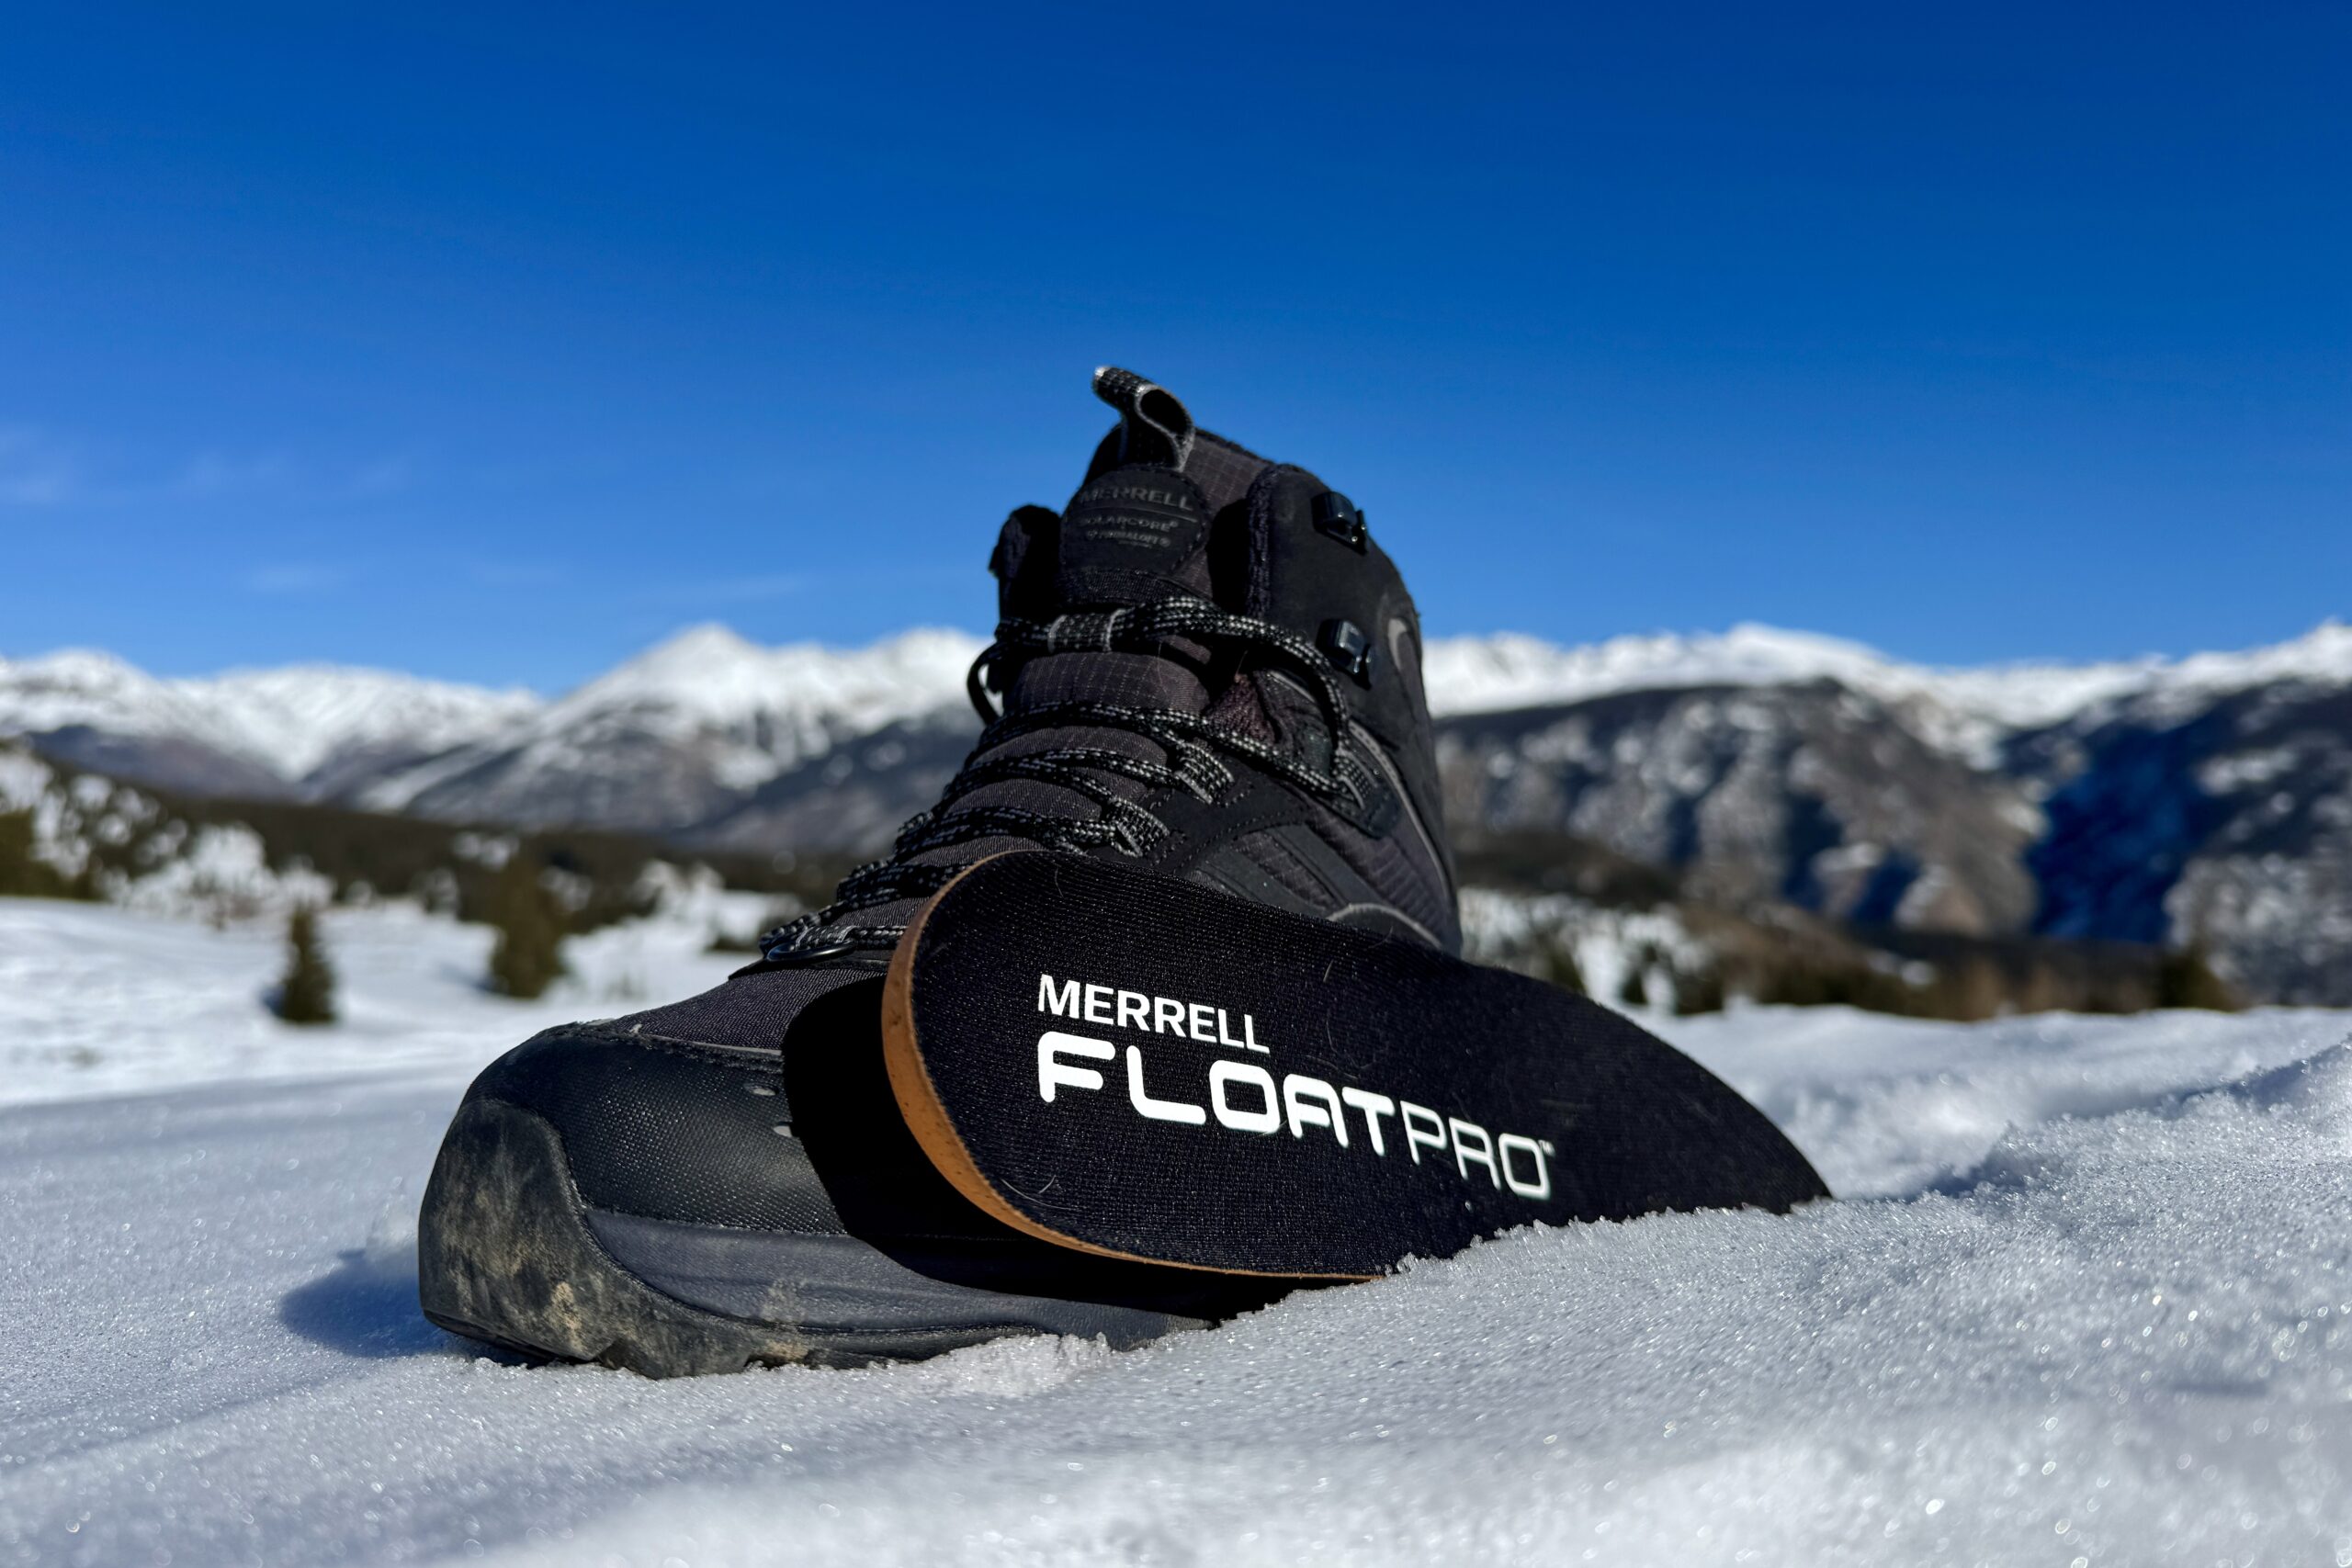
2087, 1300
97, 999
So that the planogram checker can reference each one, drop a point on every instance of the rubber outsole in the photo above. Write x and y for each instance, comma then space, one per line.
507, 1255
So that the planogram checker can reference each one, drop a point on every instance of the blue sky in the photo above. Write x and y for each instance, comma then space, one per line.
495, 346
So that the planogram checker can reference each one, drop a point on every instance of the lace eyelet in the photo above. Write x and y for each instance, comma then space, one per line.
781, 957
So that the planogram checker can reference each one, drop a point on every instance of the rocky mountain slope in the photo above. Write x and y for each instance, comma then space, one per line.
2205, 800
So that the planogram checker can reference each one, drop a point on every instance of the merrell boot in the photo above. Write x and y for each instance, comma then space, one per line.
1208, 674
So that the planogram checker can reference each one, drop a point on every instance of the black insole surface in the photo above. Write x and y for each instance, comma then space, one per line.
1147, 1068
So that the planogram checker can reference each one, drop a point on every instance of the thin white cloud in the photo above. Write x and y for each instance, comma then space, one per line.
212, 475
293, 579
39, 469
383, 476
746, 589
34, 470
517, 575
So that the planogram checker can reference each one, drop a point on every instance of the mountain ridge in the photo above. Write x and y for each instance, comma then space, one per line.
291, 717
2206, 799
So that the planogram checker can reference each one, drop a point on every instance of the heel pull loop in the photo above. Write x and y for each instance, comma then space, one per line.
1154, 425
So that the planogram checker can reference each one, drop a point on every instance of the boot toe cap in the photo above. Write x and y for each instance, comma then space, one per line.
667, 1129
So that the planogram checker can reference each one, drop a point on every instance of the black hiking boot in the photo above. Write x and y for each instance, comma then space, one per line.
1207, 672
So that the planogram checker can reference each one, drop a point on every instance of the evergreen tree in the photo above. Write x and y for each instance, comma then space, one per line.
306, 994
1557, 963
1635, 991
1698, 990
529, 954
1968, 989
2186, 980
24, 874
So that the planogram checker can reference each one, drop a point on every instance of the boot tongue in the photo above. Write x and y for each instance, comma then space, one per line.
1133, 534
1136, 531
1130, 536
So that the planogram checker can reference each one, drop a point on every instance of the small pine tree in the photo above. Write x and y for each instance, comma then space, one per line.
529, 954
1968, 990
306, 994
1698, 990
2186, 980
1558, 963
23, 874
1635, 990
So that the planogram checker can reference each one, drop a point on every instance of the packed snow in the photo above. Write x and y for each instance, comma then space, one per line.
2087, 1298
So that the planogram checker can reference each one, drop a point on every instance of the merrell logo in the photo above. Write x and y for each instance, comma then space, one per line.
1151, 1015
1143, 516
1145, 495
1243, 1096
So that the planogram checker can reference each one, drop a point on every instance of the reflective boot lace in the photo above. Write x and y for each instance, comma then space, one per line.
1191, 741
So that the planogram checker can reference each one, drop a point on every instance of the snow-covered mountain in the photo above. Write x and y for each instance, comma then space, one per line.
304, 729
665, 741
1486, 674
2206, 798
689, 735
757, 713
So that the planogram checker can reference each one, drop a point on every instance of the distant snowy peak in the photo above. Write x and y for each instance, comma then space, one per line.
81, 686
286, 722
709, 676
755, 712
300, 715
1486, 674
685, 729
